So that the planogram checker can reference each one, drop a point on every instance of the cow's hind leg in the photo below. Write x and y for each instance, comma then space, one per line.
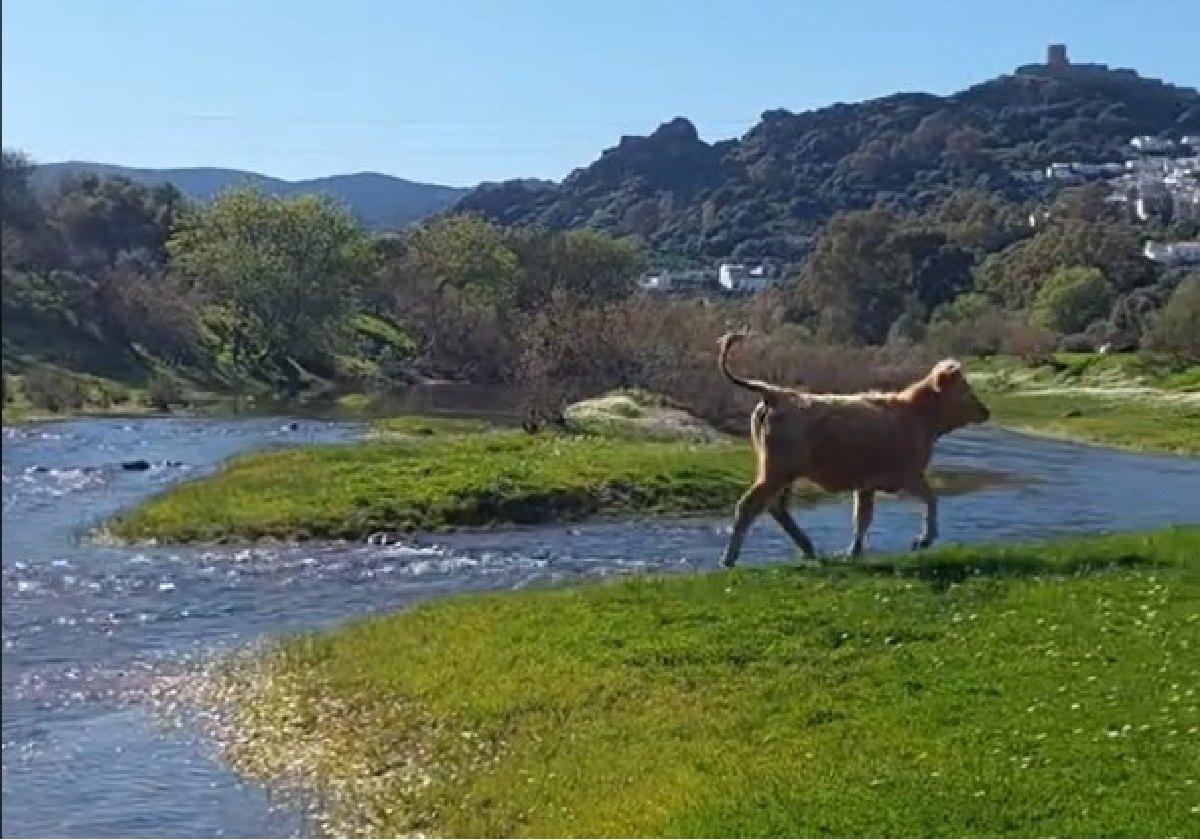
864, 512
924, 492
778, 508
753, 503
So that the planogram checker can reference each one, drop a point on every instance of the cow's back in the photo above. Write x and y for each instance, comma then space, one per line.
847, 443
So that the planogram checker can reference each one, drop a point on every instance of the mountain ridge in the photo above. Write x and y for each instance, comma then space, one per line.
380, 201
766, 193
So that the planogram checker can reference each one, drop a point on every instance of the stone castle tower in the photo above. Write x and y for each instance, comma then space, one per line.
1056, 57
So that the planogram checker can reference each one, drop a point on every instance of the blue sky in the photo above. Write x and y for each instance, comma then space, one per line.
458, 92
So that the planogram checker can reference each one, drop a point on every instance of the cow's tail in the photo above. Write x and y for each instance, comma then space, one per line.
765, 390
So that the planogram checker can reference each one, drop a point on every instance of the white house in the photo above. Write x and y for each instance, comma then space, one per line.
1097, 170
1148, 144
1040, 217
737, 278
1173, 253
660, 282
1187, 204
677, 280
1150, 164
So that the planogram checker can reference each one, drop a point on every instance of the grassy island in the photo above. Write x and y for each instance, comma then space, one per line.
430, 474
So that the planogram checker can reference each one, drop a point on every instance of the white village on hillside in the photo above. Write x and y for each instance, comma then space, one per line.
1158, 183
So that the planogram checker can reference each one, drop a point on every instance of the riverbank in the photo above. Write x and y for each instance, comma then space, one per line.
52, 394
428, 474
1141, 423
1130, 401
1023, 690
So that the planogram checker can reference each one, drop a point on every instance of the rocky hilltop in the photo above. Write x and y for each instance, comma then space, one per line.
766, 193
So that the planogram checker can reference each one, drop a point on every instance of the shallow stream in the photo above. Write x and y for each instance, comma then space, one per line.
87, 627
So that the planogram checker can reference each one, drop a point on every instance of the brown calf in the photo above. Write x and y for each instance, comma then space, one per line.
862, 442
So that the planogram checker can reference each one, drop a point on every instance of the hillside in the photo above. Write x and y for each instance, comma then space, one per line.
382, 202
766, 193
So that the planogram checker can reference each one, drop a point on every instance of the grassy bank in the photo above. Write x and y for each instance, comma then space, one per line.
1028, 690
1130, 401
428, 474
1140, 423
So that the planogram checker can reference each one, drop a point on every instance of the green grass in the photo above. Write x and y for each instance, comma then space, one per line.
1133, 401
1028, 690
429, 474
420, 425
1148, 370
1130, 423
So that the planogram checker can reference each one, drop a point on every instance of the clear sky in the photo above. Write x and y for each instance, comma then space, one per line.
458, 92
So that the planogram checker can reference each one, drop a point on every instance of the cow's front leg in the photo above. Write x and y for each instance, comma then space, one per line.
864, 511
924, 492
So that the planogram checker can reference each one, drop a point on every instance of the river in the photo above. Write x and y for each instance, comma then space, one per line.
86, 626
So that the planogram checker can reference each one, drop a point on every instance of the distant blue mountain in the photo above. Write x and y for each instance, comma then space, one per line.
381, 202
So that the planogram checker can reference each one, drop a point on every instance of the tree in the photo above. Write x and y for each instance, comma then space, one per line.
581, 262
19, 207
963, 144
965, 307
1085, 203
1072, 298
1176, 330
28, 240
870, 266
100, 218
849, 282
980, 220
469, 253
289, 269
1014, 276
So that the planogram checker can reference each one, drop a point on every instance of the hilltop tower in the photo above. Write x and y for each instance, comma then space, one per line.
1056, 57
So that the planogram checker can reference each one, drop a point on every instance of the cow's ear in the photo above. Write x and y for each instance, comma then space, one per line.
946, 373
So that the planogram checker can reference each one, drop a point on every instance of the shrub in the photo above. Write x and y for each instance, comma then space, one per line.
1029, 342
158, 312
987, 332
570, 351
1077, 343
458, 335
163, 391
53, 390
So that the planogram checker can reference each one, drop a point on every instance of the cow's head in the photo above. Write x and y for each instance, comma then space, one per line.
951, 401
